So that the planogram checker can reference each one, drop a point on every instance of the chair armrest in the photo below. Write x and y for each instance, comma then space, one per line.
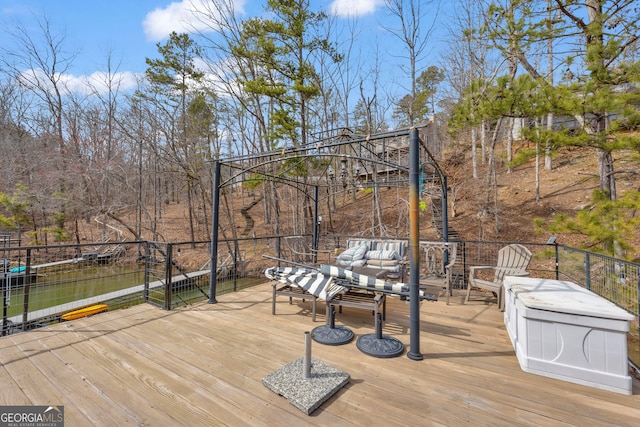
521, 273
512, 270
473, 269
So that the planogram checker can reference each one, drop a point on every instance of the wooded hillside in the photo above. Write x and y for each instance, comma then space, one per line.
531, 111
567, 189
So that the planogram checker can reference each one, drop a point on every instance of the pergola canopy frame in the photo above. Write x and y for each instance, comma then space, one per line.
330, 147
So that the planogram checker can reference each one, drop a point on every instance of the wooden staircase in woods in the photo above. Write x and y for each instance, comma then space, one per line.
249, 220
432, 188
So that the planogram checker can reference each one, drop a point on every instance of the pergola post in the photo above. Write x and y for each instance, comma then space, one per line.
414, 246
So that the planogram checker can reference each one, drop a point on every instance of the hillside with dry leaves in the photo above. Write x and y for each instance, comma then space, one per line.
567, 188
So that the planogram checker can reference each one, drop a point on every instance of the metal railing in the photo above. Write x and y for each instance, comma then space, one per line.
42, 284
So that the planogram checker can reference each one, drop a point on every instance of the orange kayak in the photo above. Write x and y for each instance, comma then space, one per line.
86, 311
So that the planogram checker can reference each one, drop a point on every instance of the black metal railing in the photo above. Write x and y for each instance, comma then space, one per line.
40, 284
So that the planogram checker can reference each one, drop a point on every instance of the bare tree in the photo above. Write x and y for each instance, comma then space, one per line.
413, 16
467, 59
38, 61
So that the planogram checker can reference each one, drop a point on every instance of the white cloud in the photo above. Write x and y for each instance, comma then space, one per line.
346, 8
220, 76
15, 10
85, 85
98, 82
184, 16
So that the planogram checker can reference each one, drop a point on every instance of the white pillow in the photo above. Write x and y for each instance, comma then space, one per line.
355, 253
393, 245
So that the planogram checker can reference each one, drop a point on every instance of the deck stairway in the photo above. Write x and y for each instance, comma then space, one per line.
432, 188
249, 220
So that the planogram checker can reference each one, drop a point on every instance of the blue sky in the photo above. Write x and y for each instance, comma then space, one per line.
130, 29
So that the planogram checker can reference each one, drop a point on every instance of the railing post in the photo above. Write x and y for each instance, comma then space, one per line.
215, 216
279, 248
235, 269
147, 267
587, 270
168, 277
637, 314
557, 262
27, 289
6, 284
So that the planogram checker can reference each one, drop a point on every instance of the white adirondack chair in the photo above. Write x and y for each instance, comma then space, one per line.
513, 260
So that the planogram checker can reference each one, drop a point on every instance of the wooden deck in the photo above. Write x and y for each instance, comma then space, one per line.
203, 365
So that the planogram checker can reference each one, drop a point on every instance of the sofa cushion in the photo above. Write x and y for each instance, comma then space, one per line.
381, 262
384, 255
388, 265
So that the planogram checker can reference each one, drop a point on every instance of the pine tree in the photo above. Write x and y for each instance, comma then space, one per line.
598, 38
173, 79
284, 48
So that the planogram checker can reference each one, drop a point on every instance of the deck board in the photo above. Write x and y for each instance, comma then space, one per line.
203, 365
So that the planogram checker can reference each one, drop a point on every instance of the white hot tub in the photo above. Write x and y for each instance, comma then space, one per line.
561, 330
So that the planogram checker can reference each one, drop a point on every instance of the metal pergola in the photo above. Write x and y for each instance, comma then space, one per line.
361, 148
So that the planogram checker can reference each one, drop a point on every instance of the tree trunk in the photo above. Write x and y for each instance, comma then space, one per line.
483, 141
607, 180
510, 143
474, 152
190, 209
491, 185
